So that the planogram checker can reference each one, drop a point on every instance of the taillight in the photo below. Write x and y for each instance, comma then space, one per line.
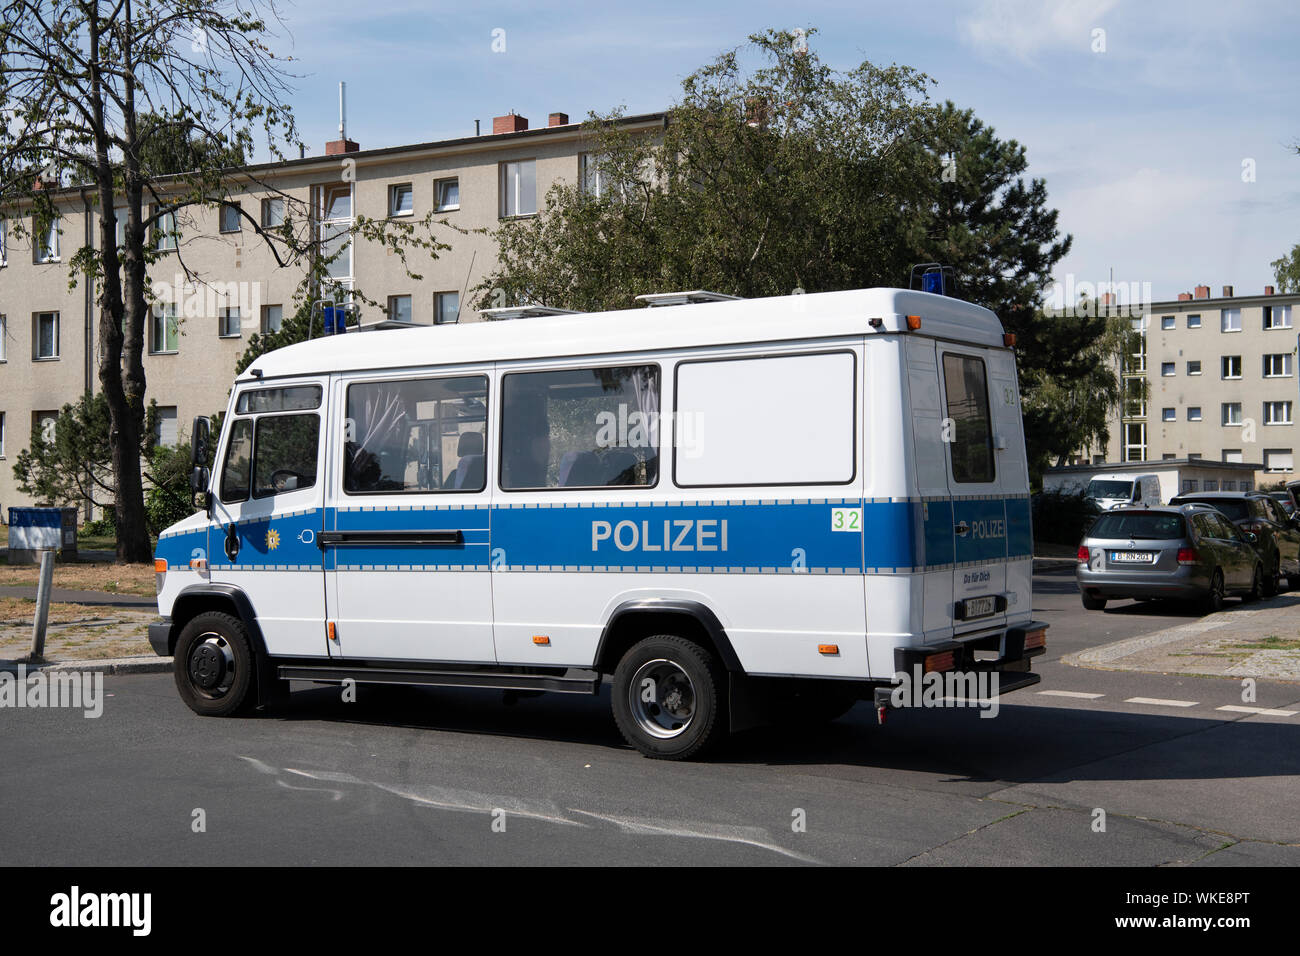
1254, 526
1083, 555
1188, 556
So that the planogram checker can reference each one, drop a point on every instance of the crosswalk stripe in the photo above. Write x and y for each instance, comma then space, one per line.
1265, 711
1160, 702
1070, 693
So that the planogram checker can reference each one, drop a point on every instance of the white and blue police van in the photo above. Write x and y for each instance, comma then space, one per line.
736, 510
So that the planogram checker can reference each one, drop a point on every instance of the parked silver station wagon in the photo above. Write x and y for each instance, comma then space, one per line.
1190, 551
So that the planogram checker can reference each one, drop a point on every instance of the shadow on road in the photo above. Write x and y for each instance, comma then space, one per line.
1019, 745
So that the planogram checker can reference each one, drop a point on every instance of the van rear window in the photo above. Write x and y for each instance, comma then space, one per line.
971, 443
1145, 527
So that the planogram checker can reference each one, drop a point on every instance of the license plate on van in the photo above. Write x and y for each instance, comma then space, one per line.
978, 607
1132, 557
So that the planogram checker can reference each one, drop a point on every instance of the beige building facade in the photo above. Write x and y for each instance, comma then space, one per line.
1221, 384
217, 282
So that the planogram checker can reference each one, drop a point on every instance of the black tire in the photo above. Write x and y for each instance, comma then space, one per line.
1273, 582
1293, 582
213, 665
1256, 586
1214, 599
1094, 603
685, 713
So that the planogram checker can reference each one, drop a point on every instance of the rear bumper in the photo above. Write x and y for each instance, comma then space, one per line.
1184, 583
1012, 666
160, 637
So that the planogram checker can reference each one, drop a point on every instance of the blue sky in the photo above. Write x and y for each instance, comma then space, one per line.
1142, 145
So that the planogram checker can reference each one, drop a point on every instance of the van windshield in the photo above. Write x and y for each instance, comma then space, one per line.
1099, 488
1146, 526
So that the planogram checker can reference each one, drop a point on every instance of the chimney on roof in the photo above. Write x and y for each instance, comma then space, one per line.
510, 123
1268, 290
1227, 292
558, 119
1202, 292
1184, 297
1108, 298
342, 145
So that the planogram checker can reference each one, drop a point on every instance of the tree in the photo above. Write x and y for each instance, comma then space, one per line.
147, 103
1286, 271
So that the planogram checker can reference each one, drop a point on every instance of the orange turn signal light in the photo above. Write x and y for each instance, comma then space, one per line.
1009, 339
541, 639
329, 630
940, 662
913, 322
1035, 639
828, 648
160, 565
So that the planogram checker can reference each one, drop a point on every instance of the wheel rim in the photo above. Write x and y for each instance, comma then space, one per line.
1216, 589
661, 697
211, 666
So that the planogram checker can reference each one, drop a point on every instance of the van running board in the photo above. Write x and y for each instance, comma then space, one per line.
583, 682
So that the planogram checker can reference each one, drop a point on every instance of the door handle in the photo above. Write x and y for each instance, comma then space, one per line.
962, 528
339, 539
232, 542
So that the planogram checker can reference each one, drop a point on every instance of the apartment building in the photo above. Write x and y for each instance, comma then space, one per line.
1221, 384
200, 327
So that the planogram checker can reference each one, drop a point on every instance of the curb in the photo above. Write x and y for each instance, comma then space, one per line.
1053, 564
112, 665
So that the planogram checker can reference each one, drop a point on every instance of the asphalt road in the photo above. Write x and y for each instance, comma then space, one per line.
456, 777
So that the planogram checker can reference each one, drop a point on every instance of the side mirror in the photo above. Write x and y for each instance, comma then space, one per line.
1251, 537
199, 478
199, 443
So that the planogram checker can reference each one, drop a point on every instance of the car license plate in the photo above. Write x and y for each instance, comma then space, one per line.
1132, 557
979, 607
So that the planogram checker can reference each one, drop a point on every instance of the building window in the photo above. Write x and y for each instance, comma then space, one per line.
165, 234
45, 335
1279, 460
1277, 366
336, 232
401, 200
272, 212
1193, 368
43, 424
1167, 369
2, 434
228, 323
1233, 454
1135, 403
1229, 486
1168, 456
1277, 413
1230, 320
1277, 316
1194, 455
164, 428
1232, 413
1167, 322
1231, 366
446, 307
4, 339
164, 330
272, 318
399, 308
1193, 321
519, 188
119, 225
1135, 441
231, 220
1168, 414
1189, 484
46, 247
447, 193
1211, 484
4, 242
1193, 413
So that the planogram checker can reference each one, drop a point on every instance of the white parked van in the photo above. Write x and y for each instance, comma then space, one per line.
743, 510
1112, 491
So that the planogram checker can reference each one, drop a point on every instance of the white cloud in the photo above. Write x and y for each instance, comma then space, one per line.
1026, 28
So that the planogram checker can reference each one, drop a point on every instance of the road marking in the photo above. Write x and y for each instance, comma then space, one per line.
1070, 693
1265, 711
1159, 702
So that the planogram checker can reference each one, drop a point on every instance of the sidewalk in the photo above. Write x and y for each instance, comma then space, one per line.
84, 626
1254, 640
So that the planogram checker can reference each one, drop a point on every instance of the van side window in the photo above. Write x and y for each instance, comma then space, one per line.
966, 384
776, 420
284, 453
235, 471
416, 436
580, 428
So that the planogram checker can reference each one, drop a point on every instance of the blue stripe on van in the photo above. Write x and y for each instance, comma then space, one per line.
761, 537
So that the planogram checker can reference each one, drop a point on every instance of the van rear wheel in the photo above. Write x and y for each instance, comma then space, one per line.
213, 665
1094, 603
668, 698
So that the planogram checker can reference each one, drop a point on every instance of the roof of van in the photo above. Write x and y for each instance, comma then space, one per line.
782, 318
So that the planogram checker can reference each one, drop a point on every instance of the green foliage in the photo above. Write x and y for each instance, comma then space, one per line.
1062, 517
1286, 271
167, 499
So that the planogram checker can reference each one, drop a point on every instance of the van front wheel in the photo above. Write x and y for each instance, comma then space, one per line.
668, 698
213, 665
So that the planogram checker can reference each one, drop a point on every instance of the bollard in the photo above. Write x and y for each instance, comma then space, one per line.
43, 586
